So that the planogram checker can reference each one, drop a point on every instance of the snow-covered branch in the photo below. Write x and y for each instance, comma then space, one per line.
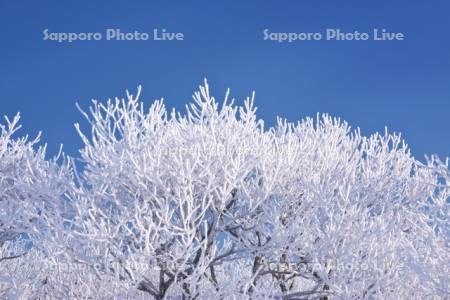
211, 204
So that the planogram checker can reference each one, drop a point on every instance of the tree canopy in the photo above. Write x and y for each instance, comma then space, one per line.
211, 204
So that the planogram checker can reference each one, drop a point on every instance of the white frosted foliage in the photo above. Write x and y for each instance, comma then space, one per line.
210, 204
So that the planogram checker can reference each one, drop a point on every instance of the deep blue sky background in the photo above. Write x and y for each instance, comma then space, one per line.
403, 85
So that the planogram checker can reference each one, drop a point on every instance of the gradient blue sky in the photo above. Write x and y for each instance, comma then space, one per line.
403, 85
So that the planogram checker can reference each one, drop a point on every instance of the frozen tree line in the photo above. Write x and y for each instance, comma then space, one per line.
209, 204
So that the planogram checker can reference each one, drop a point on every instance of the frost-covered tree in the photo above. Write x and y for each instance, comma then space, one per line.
211, 204
33, 205
33, 190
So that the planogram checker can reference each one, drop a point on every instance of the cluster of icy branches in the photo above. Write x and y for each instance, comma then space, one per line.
211, 205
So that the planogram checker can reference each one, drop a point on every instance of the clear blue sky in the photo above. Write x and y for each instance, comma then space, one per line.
404, 85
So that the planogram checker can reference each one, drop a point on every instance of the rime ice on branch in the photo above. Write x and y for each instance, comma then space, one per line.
210, 204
